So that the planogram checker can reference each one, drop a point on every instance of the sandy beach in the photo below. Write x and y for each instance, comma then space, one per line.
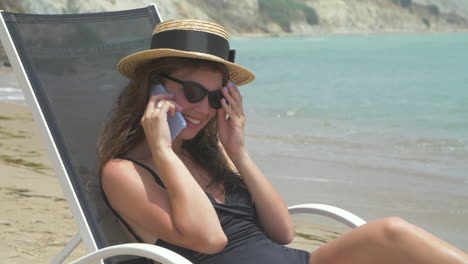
35, 220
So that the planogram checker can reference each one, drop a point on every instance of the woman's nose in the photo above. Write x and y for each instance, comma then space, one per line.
204, 105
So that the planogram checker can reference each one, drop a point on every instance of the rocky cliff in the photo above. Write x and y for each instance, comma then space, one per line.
283, 17
387, 16
273, 17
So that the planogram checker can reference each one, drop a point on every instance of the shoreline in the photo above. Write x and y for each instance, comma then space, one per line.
35, 218
326, 165
255, 35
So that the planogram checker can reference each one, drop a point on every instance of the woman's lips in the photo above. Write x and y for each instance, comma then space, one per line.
192, 122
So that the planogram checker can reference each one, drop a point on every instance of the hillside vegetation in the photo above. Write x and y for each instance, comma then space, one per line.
273, 17
283, 17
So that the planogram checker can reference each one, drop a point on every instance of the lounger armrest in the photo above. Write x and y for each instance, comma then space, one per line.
335, 213
153, 252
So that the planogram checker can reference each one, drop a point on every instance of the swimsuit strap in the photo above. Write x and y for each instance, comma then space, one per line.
156, 178
152, 172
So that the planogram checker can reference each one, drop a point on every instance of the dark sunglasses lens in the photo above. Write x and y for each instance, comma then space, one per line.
215, 99
193, 92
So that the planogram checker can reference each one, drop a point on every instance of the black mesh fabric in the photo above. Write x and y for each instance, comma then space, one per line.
70, 61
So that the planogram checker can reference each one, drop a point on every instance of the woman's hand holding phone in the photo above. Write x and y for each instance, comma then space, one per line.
176, 120
155, 123
231, 129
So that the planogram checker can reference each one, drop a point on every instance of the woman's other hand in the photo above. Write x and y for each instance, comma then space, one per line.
154, 120
271, 209
231, 129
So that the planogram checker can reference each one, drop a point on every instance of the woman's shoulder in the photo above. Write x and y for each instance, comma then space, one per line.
117, 170
117, 165
124, 170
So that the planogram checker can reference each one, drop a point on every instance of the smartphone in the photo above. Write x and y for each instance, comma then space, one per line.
176, 122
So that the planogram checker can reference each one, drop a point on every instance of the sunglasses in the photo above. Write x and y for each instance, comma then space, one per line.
195, 92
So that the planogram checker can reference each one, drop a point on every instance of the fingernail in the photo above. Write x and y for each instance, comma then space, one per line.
224, 100
232, 84
226, 89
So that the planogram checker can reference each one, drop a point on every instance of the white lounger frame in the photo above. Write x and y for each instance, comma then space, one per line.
165, 256
96, 255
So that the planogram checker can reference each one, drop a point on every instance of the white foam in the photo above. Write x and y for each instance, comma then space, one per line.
11, 98
310, 179
9, 89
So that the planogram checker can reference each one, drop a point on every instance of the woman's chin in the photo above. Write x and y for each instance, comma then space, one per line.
191, 131
187, 133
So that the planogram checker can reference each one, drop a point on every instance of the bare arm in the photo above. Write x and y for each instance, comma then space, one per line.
182, 214
271, 208
192, 212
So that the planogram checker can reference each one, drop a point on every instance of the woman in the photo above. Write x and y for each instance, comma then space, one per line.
201, 195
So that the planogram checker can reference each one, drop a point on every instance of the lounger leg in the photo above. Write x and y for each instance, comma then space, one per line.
67, 250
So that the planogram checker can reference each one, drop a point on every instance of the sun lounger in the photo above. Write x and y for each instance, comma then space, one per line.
65, 65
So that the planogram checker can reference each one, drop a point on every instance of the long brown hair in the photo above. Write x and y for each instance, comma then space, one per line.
123, 131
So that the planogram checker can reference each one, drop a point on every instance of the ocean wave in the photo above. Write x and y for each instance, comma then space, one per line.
12, 98
9, 89
323, 180
435, 144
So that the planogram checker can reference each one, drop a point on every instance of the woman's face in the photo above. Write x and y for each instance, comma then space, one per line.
198, 114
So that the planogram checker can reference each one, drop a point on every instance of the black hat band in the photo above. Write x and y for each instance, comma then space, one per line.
193, 41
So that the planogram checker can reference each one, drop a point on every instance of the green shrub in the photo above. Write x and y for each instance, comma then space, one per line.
433, 9
310, 13
426, 22
406, 3
278, 11
403, 3
283, 12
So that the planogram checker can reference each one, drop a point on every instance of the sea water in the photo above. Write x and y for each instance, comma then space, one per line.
405, 94
375, 124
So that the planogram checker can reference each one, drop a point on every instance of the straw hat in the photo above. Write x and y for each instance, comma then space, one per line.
188, 38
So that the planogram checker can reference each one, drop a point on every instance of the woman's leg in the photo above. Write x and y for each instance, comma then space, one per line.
389, 240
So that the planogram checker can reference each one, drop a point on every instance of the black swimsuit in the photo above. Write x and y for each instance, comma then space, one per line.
247, 243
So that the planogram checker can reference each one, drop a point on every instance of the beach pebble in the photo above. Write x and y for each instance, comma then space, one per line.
25, 240
13, 254
5, 223
57, 243
25, 252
